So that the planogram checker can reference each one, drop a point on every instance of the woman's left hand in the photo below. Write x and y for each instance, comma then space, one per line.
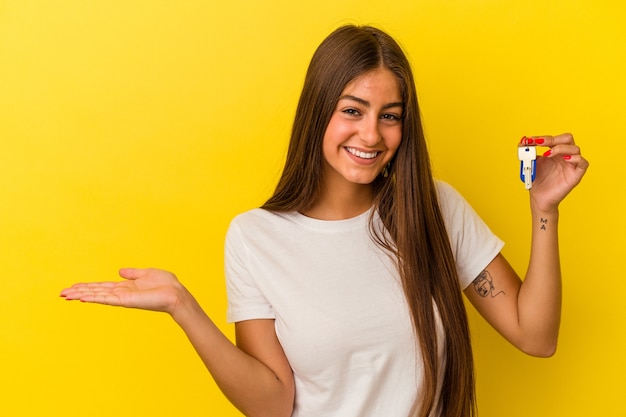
559, 170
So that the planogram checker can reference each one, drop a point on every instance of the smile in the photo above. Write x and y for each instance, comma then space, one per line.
360, 154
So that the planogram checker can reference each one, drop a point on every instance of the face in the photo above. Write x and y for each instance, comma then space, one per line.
364, 131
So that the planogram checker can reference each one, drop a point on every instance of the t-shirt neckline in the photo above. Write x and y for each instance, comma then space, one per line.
334, 225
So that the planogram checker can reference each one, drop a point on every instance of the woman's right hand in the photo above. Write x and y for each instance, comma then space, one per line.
147, 289
256, 378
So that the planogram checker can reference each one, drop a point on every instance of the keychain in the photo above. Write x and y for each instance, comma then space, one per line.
527, 155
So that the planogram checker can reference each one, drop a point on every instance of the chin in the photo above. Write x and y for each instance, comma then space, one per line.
362, 180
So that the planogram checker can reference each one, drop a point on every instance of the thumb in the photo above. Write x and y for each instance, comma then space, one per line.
131, 273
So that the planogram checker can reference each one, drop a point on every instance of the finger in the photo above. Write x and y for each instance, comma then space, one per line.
566, 151
536, 140
548, 140
132, 273
99, 284
569, 158
552, 141
86, 286
104, 298
79, 294
578, 161
91, 294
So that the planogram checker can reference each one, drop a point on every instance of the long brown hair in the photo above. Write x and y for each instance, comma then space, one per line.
406, 201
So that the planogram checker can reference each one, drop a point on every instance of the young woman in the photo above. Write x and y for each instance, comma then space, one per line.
345, 287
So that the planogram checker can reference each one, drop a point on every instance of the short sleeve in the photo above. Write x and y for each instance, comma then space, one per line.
245, 300
473, 244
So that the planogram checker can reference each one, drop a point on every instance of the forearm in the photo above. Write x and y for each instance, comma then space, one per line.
528, 312
248, 383
539, 298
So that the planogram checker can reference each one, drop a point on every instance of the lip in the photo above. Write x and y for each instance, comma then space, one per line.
363, 161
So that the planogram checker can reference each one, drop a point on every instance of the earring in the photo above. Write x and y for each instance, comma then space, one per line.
385, 172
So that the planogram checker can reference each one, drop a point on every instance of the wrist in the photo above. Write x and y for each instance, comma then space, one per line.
185, 307
544, 219
539, 210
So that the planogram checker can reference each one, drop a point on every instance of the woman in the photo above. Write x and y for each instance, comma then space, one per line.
345, 287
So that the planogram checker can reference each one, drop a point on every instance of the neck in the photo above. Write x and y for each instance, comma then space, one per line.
340, 204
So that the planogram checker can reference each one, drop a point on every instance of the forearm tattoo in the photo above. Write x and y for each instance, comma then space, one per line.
543, 223
483, 284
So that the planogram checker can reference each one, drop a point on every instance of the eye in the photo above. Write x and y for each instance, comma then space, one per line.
391, 118
352, 112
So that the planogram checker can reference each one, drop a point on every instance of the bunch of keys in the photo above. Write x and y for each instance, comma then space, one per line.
527, 155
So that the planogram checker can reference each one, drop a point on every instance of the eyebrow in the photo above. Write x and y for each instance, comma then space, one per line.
367, 103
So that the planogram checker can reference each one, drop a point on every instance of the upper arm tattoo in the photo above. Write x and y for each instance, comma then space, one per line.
483, 285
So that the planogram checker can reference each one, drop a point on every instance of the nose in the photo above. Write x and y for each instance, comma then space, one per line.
370, 133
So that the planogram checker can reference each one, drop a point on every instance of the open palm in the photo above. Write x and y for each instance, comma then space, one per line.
147, 289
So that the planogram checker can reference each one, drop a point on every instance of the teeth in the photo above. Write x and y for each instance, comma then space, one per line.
364, 155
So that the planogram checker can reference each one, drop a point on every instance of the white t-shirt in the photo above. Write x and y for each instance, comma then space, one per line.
339, 308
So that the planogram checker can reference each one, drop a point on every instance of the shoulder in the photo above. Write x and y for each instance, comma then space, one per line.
259, 217
458, 214
250, 217
450, 200
257, 222
444, 190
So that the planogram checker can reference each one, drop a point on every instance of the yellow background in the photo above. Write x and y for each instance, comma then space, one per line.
131, 132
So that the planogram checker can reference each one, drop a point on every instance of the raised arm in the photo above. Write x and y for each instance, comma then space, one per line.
528, 313
255, 375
